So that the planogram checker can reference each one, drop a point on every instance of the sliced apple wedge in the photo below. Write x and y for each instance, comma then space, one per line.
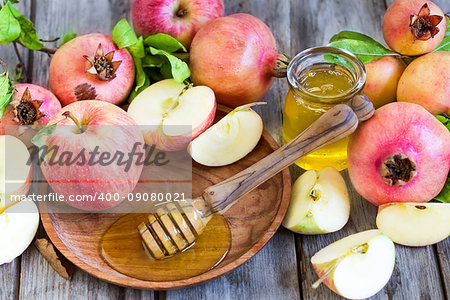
15, 170
172, 114
357, 266
415, 224
18, 226
229, 140
319, 203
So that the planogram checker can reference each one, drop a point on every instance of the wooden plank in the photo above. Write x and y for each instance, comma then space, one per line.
443, 253
443, 4
10, 273
272, 273
9, 285
313, 23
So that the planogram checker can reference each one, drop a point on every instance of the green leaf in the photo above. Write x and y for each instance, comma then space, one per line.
28, 36
445, 44
444, 120
137, 49
38, 138
142, 80
9, 26
179, 69
351, 35
152, 61
363, 46
68, 37
164, 42
6, 92
123, 35
444, 195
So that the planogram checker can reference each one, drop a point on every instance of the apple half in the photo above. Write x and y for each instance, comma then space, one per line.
357, 266
230, 139
319, 203
415, 224
15, 170
18, 226
172, 114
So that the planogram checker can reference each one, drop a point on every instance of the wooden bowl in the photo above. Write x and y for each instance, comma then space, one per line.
253, 220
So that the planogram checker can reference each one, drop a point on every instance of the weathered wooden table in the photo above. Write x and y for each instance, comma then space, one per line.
282, 269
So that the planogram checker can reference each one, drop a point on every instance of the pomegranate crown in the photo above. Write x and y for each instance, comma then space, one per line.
102, 64
424, 25
26, 110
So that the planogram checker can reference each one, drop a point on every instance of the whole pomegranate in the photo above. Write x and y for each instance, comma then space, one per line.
401, 154
426, 81
413, 27
237, 57
382, 80
91, 67
31, 105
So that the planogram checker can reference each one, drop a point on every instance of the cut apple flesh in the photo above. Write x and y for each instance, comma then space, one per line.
357, 266
229, 140
18, 226
15, 169
319, 203
178, 108
415, 224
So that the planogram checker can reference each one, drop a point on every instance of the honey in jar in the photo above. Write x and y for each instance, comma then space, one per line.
320, 78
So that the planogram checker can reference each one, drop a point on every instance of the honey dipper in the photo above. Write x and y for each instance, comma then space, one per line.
174, 227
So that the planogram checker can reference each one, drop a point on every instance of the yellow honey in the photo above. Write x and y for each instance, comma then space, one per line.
316, 86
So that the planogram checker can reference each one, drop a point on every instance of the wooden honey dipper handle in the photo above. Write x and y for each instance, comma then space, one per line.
337, 123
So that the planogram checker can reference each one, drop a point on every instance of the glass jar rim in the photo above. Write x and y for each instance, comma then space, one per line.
294, 64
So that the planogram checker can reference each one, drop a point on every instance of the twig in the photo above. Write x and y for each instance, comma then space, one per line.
50, 41
22, 64
2, 63
49, 51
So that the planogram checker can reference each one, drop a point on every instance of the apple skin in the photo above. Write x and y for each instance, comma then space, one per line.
178, 18
70, 82
382, 80
306, 215
117, 131
426, 81
150, 105
415, 224
229, 140
348, 256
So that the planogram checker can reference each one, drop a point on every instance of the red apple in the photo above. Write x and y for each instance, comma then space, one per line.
178, 18
102, 128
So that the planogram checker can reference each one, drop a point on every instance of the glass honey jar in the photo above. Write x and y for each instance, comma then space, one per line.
320, 78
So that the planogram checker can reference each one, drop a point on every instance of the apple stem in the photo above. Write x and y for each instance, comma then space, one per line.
69, 115
316, 284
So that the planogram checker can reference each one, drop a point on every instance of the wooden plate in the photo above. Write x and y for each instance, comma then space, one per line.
253, 221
